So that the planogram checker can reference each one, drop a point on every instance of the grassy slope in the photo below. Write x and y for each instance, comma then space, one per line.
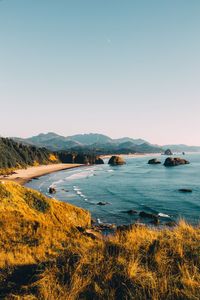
32, 226
44, 256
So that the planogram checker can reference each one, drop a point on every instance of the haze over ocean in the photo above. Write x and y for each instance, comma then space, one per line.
127, 68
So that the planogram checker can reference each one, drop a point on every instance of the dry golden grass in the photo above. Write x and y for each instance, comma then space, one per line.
33, 227
56, 261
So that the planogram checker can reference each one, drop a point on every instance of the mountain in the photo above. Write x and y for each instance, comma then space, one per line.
90, 139
89, 142
51, 141
99, 143
127, 139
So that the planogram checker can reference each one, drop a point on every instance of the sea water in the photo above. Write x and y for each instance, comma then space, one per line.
134, 186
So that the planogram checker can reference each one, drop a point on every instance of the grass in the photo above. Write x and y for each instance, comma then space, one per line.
44, 256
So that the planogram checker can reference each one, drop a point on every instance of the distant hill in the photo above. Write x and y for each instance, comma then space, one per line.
99, 143
127, 139
90, 139
182, 148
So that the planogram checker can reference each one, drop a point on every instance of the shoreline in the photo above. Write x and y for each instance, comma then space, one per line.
22, 176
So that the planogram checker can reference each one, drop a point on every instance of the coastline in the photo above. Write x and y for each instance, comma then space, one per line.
22, 176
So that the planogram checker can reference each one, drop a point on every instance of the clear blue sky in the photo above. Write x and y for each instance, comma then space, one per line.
122, 68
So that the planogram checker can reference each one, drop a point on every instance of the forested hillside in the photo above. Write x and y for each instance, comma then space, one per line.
15, 155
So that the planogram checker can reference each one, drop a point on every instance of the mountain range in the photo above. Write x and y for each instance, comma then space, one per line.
90, 142
99, 143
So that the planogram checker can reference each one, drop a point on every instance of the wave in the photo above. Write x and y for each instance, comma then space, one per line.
55, 183
80, 175
163, 215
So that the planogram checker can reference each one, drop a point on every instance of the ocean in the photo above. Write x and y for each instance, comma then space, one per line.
133, 186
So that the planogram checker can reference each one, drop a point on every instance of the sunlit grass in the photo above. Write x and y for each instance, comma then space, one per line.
142, 263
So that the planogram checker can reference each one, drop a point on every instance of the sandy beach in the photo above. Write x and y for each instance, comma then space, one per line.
22, 176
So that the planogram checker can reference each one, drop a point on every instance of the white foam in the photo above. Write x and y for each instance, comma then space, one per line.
99, 221
83, 196
80, 175
163, 215
57, 182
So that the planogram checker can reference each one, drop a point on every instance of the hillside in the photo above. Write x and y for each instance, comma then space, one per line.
16, 155
48, 251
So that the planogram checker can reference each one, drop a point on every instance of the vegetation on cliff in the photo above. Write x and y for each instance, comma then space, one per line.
16, 155
48, 251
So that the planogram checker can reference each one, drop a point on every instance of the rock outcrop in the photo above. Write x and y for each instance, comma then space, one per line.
154, 161
116, 160
102, 203
79, 158
168, 152
144, 214
131, 212
185, 190
99, 161
175, 161
155, 219
52, 190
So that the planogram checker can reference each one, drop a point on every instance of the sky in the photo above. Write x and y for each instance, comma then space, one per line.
121, 68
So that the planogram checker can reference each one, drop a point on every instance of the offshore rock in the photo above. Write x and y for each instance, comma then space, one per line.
116, 160
154, 161
175, 161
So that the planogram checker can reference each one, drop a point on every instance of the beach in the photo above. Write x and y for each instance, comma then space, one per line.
22, 176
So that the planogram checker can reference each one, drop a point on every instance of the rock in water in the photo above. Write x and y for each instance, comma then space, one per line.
185, 190
99, 161
52, 190
155, 219
175, 161
131, 212
102, 203
168, 152
154, 161
144, 214
116, 160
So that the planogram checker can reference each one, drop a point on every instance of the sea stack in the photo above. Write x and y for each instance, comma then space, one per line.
99, 161
175, 161
154, 161
168, 152
52, 190
116, 160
